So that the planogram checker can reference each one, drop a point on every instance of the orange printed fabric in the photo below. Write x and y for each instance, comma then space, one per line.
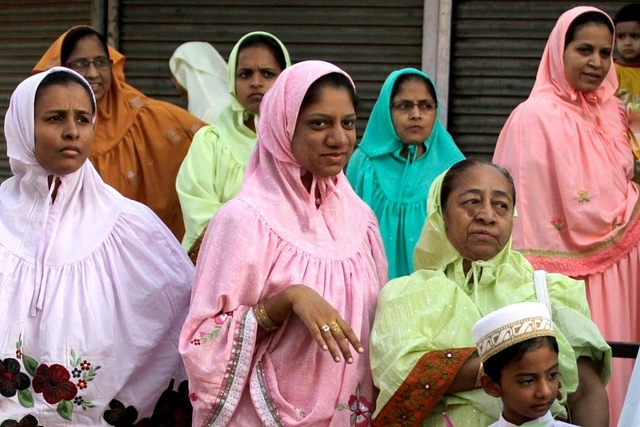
422, 389
139, 142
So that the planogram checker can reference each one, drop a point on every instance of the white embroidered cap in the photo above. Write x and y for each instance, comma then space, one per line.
510, 325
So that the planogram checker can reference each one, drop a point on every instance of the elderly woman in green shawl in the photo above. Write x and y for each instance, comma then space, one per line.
403, 149
422, 350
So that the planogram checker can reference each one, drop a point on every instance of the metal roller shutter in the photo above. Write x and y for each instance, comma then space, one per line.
28, 29
368, 40
496, 49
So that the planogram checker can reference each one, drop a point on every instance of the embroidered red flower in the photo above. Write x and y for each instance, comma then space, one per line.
221, 318
27, 421
360, 408
53, 382
11, 379
557, 223
82, 384
84, 365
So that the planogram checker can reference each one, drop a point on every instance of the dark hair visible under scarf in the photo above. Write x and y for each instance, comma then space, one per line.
69, 43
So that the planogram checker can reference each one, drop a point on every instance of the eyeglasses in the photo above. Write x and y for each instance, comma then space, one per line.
82, 64
407, 106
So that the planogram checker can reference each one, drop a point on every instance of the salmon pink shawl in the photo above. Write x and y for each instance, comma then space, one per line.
570, 158
269, 237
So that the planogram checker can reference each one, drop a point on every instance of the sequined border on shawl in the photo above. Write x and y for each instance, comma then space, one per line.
265, 407
422, 389
237, 371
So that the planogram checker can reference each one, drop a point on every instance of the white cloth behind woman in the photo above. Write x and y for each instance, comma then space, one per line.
200, 69
630, 415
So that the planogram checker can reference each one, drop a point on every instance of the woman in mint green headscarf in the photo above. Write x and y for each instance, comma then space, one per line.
212, 171
403, 149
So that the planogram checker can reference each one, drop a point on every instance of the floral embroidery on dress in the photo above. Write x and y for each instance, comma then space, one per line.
172, 409
360, 409
219, 320
12, 380
56, 383
583, 196
26, 421
557, 223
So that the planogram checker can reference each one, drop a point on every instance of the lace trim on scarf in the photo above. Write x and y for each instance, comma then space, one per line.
594, 260
236, 373
265, 407
422, 389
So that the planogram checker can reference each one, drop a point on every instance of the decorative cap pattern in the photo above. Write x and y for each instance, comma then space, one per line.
510, 325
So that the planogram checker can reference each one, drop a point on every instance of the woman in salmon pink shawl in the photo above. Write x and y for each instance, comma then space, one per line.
276, 234
569, 154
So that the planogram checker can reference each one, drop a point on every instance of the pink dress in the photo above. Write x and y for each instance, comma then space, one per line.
269, 237
569, 154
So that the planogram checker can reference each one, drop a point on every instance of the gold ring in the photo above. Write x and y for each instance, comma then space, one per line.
325, 328
334, 326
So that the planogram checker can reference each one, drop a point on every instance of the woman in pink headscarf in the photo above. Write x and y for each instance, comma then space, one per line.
568, 150
289, 271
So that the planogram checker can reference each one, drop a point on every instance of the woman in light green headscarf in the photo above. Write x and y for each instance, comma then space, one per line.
403, 149
212, 171
422, 351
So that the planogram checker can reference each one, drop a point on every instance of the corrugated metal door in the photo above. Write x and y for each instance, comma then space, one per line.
28, 29
496, 49
368, 40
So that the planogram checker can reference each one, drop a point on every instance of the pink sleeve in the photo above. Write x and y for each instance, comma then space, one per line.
218, 339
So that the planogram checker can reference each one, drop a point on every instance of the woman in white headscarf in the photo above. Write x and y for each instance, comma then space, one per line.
94, 287
199, 74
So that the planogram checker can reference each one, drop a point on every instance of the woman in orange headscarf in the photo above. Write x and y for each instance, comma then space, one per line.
139, 142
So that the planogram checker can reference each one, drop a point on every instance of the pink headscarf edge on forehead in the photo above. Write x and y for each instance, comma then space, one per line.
551, 69
273, 174
281, 105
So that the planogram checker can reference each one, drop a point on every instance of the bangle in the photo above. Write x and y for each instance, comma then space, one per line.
480, 372
263, 319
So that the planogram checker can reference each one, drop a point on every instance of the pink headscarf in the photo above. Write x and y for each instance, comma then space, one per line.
272, 178
569, 155
551, 75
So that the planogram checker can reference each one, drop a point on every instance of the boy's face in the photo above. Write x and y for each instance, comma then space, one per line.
528, 387
628, 42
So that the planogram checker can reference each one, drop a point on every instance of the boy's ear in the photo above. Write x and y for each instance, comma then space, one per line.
489, 386
559, 396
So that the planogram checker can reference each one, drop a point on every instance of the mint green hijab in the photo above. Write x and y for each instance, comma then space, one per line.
396, 187
230, 124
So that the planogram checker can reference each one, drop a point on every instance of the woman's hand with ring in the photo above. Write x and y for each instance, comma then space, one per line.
326, 325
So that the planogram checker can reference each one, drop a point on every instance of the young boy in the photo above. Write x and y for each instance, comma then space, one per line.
627, 22
519, 355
